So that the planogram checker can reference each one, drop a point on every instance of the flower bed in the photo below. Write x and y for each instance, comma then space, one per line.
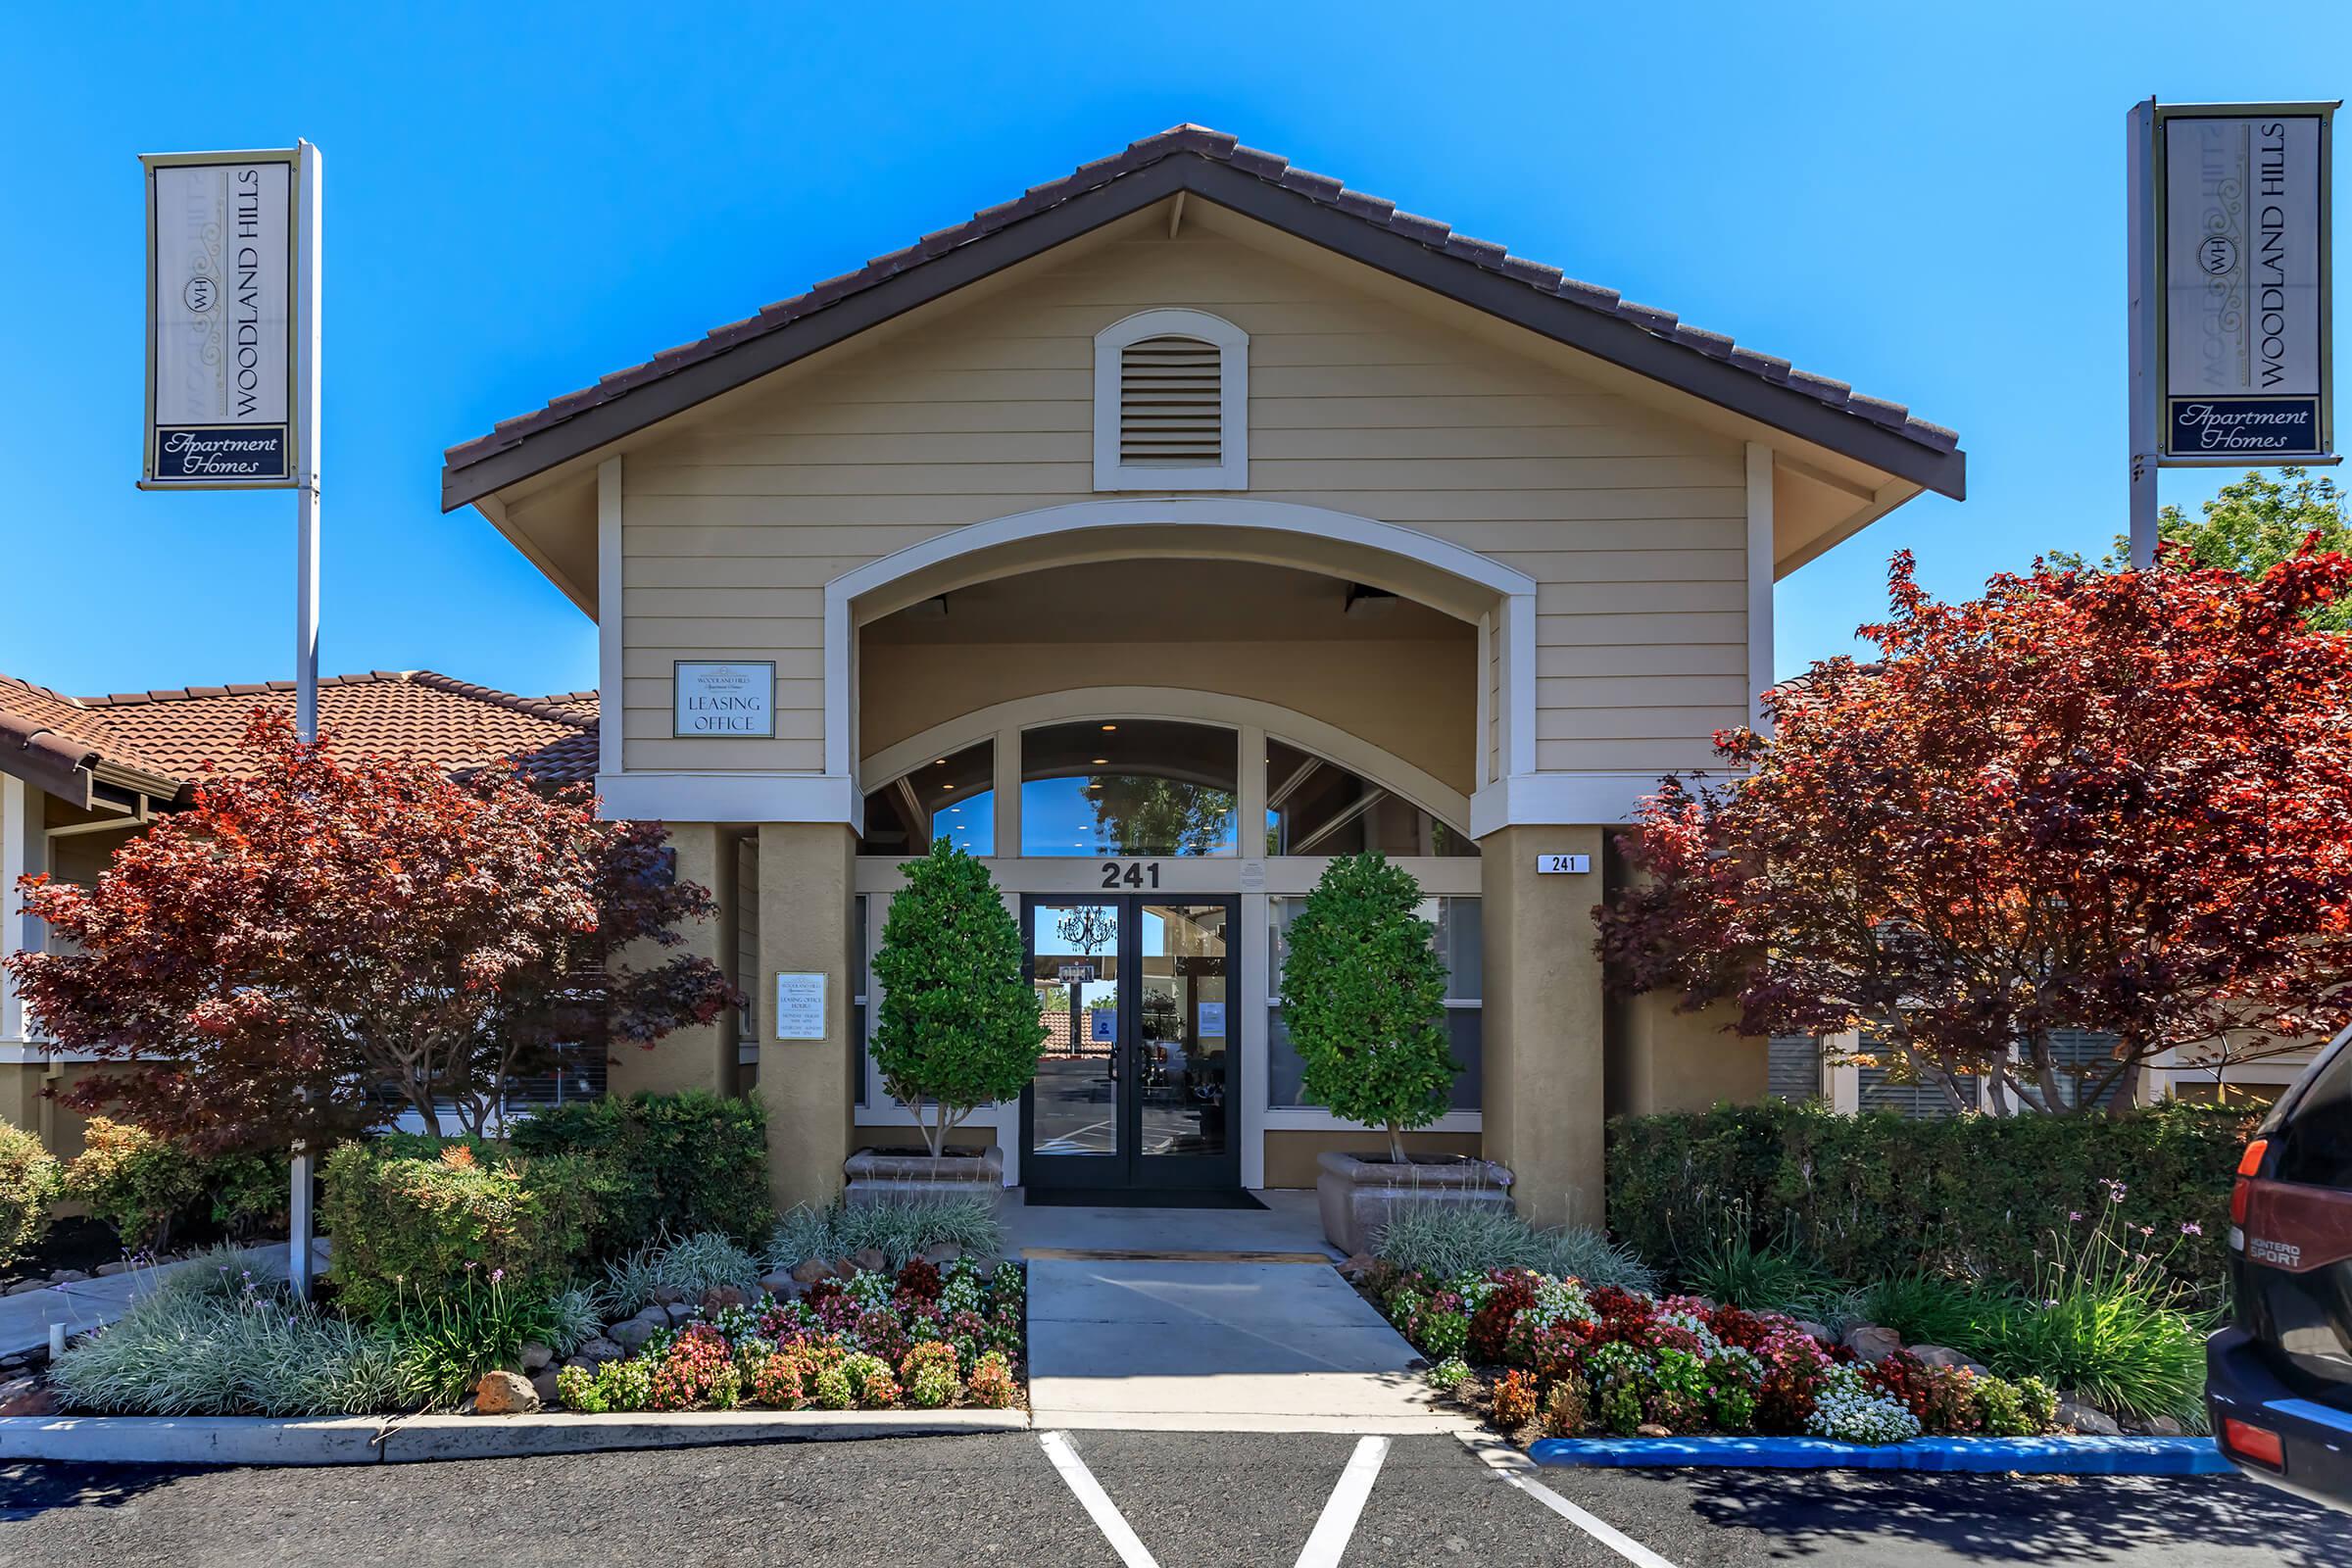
1540, 1355
925, 1338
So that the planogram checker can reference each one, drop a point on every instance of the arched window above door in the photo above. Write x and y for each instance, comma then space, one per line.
1316, 807
1143, 787
952, 796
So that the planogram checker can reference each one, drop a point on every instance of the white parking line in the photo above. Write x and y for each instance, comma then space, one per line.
1096, 1503
1512, 1467
1345, 1506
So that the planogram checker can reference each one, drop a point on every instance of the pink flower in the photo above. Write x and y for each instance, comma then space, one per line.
2147, 1230
497, 1274
2074, 1213
2191, 1228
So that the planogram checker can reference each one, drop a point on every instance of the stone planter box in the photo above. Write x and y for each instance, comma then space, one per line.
1357, 1192
890, 1175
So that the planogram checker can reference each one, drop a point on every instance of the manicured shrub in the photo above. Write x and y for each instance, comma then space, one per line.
662, 1164
212, 1340
958, 1025
148, 1189
1363, 995
29, 1183
413, 1220
1874, 1197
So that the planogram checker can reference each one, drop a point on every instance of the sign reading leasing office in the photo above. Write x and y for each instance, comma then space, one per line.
220, 281
2242, 258
733, 700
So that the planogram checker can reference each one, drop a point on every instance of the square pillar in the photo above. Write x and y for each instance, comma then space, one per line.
1661, 1060
1543, 1022
699, 1055
806, 903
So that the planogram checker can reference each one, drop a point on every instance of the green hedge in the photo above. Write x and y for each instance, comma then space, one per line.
29, 1182
413, 1219
150, 1190
679, 1164
1876, 1195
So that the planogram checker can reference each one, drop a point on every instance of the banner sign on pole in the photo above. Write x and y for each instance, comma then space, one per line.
2241, 255
222, 271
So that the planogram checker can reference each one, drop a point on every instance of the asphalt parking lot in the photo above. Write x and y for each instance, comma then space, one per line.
1193, 1498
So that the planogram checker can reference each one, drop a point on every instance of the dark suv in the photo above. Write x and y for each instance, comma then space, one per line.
2278, 1379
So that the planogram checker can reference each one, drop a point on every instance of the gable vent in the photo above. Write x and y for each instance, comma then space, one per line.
1171, 403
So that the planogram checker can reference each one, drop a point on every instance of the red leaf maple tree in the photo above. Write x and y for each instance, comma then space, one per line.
309, 949
2118, 802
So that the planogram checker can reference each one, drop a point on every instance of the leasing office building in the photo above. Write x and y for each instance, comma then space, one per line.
1158, 535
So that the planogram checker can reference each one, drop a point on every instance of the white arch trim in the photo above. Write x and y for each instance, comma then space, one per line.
1515, 623
1242, 713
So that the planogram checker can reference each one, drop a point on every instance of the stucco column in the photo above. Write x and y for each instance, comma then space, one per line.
699, 1055
807, 901
1543, 1022
21, 843
1661, 1060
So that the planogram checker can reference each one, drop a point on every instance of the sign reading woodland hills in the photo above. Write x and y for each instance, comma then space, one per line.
220, 281
2242, 258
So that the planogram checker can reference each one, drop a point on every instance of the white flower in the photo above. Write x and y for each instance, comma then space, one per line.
1847, 1410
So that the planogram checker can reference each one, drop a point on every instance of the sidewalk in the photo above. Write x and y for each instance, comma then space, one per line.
93, 1302
1192, 1340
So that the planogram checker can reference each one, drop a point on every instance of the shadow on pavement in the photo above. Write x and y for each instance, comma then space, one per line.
2008, 1519
29, 1490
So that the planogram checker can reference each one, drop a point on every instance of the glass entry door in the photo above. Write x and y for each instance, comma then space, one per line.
1142, 1030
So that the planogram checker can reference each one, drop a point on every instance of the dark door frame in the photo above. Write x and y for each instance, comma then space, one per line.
1131, 1167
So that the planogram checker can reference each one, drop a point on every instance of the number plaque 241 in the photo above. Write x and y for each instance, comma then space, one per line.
1131, 873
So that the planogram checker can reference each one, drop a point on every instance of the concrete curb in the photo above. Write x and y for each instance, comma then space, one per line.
246, 1440
2042, 1456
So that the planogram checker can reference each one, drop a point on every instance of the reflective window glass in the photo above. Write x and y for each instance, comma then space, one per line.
1459, 938
1315, 807
1142, 787
952, 796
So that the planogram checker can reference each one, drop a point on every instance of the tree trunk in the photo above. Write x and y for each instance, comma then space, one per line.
1396, 1143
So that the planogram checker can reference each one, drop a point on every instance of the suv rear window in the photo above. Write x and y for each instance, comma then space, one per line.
2315, 1144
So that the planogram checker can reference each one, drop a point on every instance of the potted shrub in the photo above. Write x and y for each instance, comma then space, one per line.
958, 1024
1363, 994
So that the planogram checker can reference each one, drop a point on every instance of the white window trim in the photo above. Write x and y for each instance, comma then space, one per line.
1233, 388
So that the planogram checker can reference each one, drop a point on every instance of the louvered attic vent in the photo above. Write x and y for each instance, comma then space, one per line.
1170, 408
1171, 403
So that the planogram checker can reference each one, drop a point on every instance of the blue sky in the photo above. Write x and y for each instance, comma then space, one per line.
1925, 200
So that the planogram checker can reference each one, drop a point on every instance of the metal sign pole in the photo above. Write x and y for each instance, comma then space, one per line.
311, 174
2140, 150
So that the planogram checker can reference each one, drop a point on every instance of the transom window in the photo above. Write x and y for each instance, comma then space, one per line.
1143, 787
1315, 807
952, 796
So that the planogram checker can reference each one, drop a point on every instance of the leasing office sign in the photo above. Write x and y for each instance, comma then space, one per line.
221, 297
2242, 269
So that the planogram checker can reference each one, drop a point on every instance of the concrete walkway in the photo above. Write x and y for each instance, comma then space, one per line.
94, 1303
1201, 1342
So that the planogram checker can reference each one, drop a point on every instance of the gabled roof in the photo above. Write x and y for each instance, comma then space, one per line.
1315, 208
160, 742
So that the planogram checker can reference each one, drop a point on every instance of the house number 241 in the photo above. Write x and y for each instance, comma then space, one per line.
1130, 874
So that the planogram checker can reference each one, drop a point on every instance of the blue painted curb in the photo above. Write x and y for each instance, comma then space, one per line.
2047, 1456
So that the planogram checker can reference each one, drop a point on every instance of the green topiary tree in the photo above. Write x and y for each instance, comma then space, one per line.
958, 1025
31, 1180
1363, 993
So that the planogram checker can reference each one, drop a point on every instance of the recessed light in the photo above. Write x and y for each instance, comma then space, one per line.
938, 762
1110, 727
1102, 762
947, 786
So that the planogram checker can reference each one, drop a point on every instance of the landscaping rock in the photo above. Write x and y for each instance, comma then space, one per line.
1357, 1266
811, 1272
505, 1394
2164, 1426
544, 1385
28, 1287
535, 1357
1938, 1355
721, 1298
871, 1259
120, 1265
1872, 1342
33, 1400
664, 1295
1650, 1428
632, 1334
67, 1276
1817, 1331
943, 1253
2088, 1421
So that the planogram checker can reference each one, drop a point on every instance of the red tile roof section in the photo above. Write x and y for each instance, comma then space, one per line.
456, 725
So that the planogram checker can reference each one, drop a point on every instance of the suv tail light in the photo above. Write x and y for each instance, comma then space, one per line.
2240, 1190
2257, 1444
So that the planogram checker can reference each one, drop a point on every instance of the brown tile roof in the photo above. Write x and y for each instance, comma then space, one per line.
171, 735
1227, 157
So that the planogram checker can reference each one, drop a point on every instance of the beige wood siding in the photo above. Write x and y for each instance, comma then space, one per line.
1632, 522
